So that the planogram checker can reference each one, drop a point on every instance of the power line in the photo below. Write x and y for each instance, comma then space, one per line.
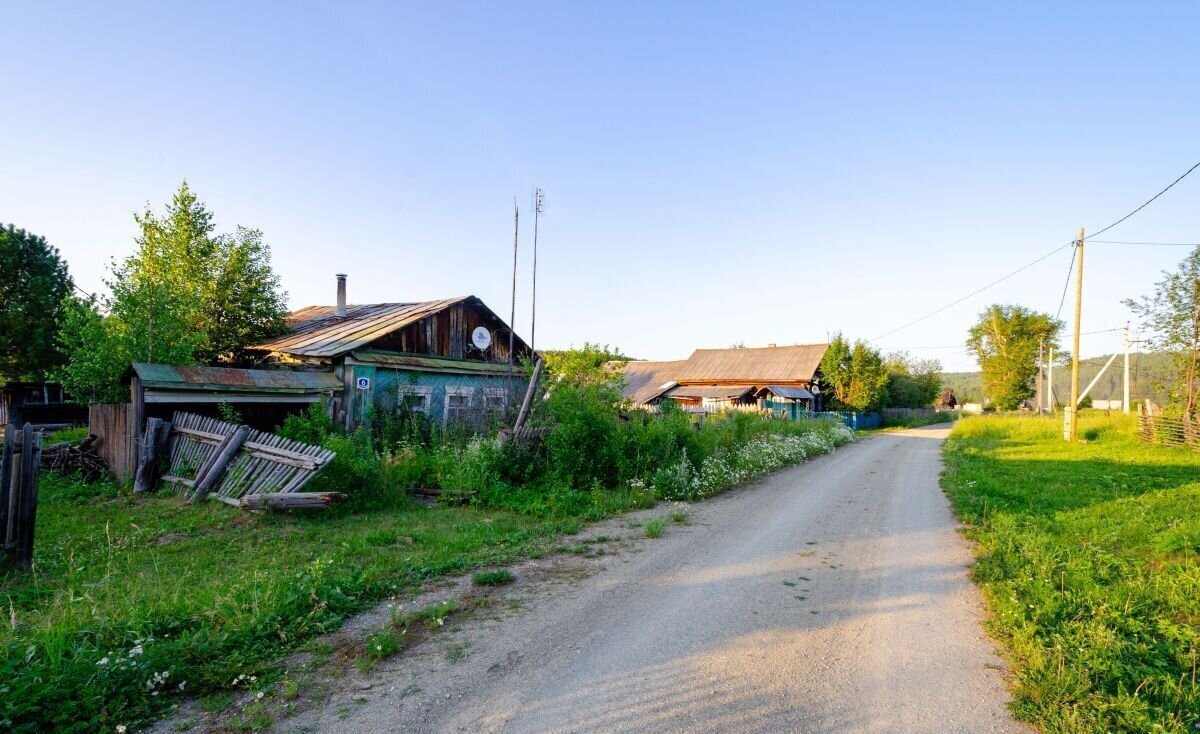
975, 292
1146, 204
1151, 244
1070, 268
70, 280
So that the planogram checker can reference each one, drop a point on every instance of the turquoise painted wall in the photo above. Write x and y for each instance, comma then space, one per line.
384, 382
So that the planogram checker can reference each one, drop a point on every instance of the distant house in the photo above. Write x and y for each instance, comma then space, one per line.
448, 359
780, 378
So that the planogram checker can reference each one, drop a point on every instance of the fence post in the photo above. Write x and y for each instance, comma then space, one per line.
31, 460
6, 488
19, 466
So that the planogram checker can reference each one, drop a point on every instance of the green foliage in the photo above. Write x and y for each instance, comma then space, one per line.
498, 577
186, 295
33, 285
912, 383
313, 426
1005, 341
126, 587
589, 363
1172, 316
1087, 556
916, 421
855, 374
654, 528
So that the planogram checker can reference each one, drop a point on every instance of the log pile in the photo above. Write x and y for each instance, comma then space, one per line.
75, 458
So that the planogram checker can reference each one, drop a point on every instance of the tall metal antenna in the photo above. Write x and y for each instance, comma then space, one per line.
537, 210
512, 322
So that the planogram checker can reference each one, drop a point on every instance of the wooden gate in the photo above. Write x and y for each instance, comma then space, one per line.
20, 460
240, 466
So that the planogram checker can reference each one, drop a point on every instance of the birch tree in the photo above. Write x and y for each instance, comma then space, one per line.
1172, 318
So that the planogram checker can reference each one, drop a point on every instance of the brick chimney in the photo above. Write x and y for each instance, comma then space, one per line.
341, 296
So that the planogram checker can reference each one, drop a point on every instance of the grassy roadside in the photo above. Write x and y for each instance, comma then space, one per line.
138, 601
1088, 559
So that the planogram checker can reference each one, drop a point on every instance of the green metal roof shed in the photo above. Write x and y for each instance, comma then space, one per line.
169, 383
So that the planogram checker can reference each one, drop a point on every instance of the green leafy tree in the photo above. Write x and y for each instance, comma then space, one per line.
1005, 341
912, 382
1172, 316
590, 364
854, 374
186, 295
33, 283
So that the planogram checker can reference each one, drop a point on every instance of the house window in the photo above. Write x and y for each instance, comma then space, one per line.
495, 399
415, 398
458, 403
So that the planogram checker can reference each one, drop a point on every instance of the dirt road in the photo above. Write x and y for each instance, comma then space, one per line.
831, 597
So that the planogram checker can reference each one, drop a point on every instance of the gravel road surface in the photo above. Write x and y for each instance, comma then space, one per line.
829, 597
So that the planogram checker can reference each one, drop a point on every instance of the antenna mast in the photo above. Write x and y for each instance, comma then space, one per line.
512, 321
537, 210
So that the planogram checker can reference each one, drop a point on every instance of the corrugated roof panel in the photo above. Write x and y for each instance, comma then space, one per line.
713, 392
440, 364
645, 381
317, 332
199, 377
763, 365
793, 393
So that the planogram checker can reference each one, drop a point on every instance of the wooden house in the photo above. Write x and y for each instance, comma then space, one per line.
448, 359
784, 379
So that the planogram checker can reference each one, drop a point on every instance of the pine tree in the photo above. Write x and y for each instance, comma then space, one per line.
33, 283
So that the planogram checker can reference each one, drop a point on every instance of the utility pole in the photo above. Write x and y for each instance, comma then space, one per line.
1125, 381
1050, 382
1125, 375
1071, 429
537, 211
1041, 364
512, 322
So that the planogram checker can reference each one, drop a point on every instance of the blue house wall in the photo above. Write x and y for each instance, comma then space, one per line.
384, 383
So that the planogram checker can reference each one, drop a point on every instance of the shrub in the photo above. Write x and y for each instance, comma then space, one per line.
499, 577
655, 527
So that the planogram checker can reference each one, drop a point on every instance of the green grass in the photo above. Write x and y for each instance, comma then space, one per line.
1088, 559
655, 527
499, 577
211, 592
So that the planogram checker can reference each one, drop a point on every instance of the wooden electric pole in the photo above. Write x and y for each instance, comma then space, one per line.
1050, 382
1071, 415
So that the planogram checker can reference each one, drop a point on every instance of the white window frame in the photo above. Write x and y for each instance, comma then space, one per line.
495, 392
425, 392
452, 390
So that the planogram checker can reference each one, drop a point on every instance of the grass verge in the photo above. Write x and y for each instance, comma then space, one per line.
1088, 559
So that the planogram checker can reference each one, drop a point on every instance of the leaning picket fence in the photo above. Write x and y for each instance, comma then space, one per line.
20, 460
241, 466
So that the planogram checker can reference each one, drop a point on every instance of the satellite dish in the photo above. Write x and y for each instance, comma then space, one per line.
481, 338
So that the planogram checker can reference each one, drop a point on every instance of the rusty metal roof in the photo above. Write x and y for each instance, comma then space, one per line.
767, 365
792, 393
645, 381
228, 379
713, 392
436, 364
316, 331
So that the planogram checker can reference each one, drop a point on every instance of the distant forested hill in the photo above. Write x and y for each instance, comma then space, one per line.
1146, 371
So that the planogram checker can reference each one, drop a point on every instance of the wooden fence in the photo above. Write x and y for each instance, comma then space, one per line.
20, 460
240, 466
112, 424
1165, 430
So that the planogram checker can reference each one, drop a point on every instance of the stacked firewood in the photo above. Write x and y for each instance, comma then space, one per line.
75, 458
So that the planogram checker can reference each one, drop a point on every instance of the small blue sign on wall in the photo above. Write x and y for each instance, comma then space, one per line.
364, 383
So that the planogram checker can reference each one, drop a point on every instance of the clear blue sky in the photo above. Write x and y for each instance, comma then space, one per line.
744, 172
